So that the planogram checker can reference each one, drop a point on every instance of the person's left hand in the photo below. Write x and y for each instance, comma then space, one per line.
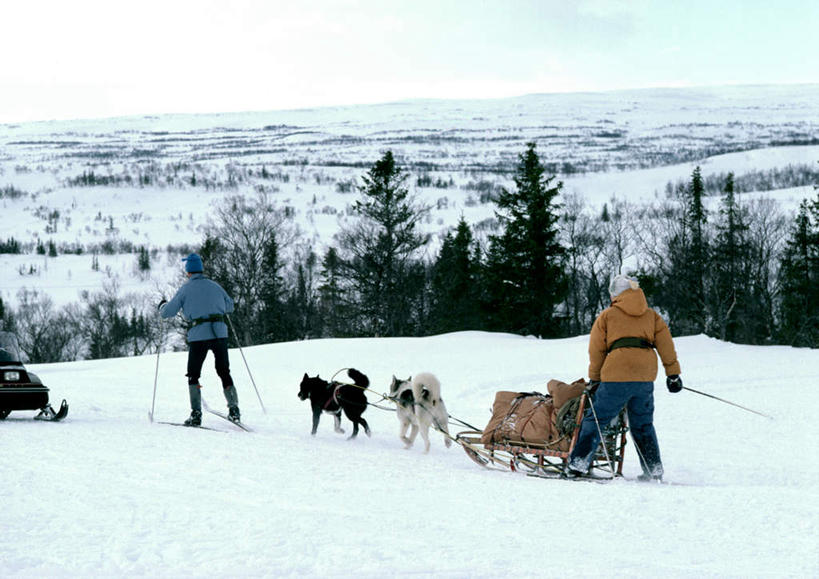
674, 383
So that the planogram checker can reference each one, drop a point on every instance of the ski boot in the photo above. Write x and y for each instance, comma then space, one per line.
571, 473
233, 414
195, 418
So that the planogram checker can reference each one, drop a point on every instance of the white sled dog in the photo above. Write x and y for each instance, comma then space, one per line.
420, 406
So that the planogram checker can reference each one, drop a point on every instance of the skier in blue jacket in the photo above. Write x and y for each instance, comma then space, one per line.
206, 304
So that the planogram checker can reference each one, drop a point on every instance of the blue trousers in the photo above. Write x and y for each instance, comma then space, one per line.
609, 400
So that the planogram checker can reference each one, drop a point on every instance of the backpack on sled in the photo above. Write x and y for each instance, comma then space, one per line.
535, 433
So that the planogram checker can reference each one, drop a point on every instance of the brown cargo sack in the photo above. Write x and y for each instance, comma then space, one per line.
562, 392
520, 417
566, 403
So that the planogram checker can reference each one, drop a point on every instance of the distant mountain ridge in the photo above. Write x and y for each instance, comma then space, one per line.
575, 132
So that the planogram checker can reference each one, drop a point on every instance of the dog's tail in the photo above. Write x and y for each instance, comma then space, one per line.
426, 387
358, 378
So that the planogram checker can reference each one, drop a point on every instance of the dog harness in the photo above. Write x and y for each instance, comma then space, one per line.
334, 398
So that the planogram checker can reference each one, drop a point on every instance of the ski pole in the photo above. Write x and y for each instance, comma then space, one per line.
602, 438
726, 401
252, 381
156, 376
156, 371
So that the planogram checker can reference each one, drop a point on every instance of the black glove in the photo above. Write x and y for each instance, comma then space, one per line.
162, 303
674, 383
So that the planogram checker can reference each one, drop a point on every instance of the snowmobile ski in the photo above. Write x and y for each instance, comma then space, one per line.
47, 413
225, 417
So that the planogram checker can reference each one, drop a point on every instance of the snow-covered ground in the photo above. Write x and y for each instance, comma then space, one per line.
107, 493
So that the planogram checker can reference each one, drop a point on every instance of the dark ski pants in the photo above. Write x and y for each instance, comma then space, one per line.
196, 358
610, 399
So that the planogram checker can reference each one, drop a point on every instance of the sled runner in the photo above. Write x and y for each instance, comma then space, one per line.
535, 433
21, 389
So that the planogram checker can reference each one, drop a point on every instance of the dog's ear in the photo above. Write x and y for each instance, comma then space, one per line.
305, 376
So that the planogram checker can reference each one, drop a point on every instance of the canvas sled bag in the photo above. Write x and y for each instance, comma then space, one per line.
532, 417
519, 417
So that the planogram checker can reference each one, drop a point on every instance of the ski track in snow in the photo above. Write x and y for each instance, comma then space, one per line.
106, 493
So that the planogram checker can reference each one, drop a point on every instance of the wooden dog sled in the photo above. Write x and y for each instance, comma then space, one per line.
515, 438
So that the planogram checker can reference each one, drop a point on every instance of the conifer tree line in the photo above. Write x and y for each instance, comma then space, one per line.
741, 271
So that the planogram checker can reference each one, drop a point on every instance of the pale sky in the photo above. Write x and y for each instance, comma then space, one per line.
66, 59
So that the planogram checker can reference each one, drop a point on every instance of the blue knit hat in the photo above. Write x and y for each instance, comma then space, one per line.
193, 263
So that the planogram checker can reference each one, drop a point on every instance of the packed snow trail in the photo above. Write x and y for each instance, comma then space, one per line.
105, 492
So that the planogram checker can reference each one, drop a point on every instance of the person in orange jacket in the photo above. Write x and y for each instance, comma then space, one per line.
622, 370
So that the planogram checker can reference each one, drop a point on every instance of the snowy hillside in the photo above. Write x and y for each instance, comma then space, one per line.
110, 186
106, 493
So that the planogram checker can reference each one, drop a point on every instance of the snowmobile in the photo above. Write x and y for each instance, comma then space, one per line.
21, 389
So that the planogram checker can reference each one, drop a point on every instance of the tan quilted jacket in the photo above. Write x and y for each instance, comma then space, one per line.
630, 317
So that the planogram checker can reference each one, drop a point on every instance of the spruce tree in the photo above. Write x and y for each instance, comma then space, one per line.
455, 284
302, 304
380, 252
3, 316
729, 274
333, 306
698, 252
525, 263
143, 259
681, 290
272, 323
799, 280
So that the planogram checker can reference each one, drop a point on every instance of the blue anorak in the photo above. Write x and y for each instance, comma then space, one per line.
200, 299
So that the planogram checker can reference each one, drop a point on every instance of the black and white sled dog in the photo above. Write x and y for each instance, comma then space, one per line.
333, 397
420, 406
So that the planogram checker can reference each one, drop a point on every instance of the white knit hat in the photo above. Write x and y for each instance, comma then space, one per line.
621, 283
